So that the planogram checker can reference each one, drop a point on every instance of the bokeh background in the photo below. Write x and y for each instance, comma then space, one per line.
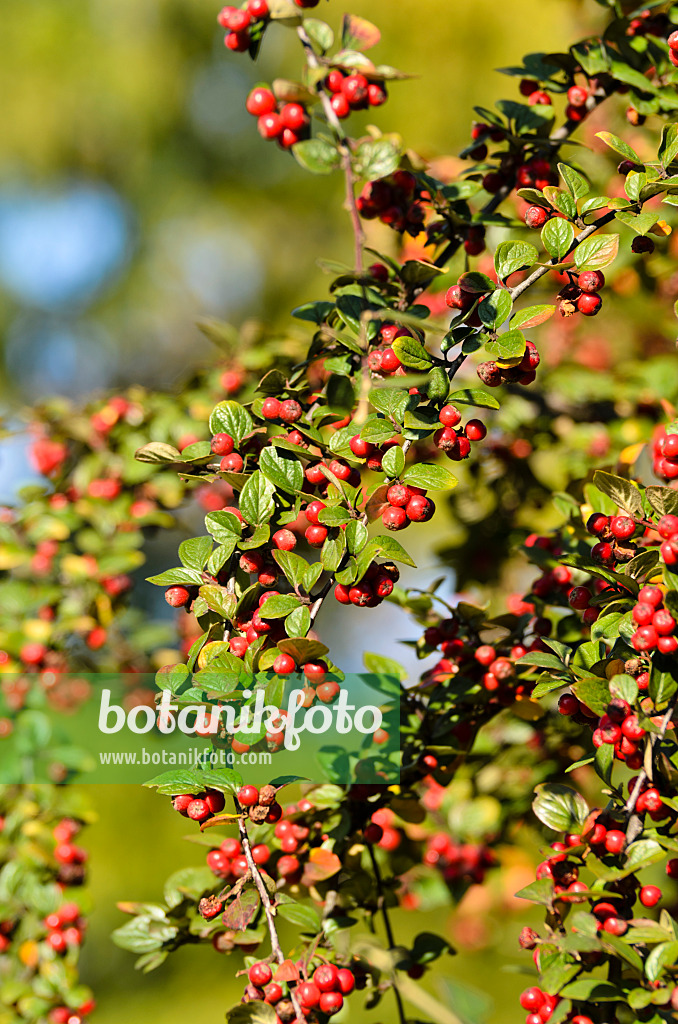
136, 196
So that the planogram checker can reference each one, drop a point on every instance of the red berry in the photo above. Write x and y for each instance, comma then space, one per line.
326, 977
308, 995
270, 409
449, 416
359, 447
331, 1002
589, 303
284, 540
290, 411
346, 981
177, 597
650, 595
536, 216
284, 665
361, 594
260, 101
316, 536
579, 598
420, 509
198, 810
650, 895
615, 841
622, 527
340, 105
532, 998
258, 8
395, 518
248, 796
294, 116
355, 89
568, 704
260, 974
237, 41
232, 463
475, 430
222, 444
398, 495
577, 96
591, 281
389, 361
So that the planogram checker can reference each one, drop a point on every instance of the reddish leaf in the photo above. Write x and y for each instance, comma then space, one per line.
286, 972
358, 34
321, 864
241, 911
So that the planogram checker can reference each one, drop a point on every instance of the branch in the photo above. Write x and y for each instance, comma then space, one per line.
269, 909
640, 780
344, 152
544, 269
389, 930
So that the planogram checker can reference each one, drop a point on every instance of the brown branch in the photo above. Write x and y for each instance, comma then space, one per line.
390, 938
344, 152
544, 268
269, 909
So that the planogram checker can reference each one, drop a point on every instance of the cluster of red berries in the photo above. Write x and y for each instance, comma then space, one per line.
64, 927
615, 535
47, 456
458, 861
524, 373
395, 201
649, 23
199, 806
577, 97
533, 173
241, 23
383, 360
581, 294
66, 1015
406, 505
619, 726
656, 625
536, 96
455, 441
665, 454
319, 998
376, 585
539, 1005
353, 91
286, 123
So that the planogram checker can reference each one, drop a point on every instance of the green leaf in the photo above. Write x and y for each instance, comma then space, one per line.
376, 159
540, 891
332, 552
542, 660
231, 418
316, 155
393, 462
282, 469
256, 499
512, 256
334, 515
434, 478
619, 146
254, 1012
591, 990
302, 649
663, 955
668, 147
495, 308
576, 182
194, 553
623, 492
224, 526
315, 312
561, 201
358, 34
596, 253
390, 547
157, 452
474, 396
559, 807
377, 431
279, 606
356, 536
298, 622
320, 33
557, 237
663, 500
412, 353
173, 576
340, 392
390, 401
303, 916
507, 347
379, 664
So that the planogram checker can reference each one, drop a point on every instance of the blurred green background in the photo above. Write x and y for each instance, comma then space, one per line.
135, 196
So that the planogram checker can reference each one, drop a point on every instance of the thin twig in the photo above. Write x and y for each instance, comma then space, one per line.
390, 938
269, 909
344, 153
